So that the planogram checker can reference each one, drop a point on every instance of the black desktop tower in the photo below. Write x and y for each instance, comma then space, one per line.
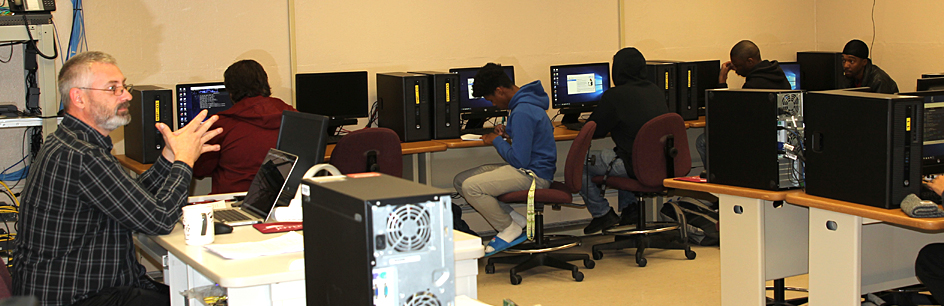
863, 147
754, 138
821, 70
693, 78
377, 240
149, 105
444, 89
404, 104
663, 74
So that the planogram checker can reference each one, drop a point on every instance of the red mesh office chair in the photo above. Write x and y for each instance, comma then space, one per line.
656, 156
369, 150
538, 251
6, 282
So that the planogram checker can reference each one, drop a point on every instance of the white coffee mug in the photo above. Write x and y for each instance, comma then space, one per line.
198, 224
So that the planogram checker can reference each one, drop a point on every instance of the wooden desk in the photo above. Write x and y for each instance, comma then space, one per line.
697, 123
856, 249
417, 147
561, 133
132, 164
759, 241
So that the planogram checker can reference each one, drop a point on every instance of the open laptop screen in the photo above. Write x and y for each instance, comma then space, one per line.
265, 187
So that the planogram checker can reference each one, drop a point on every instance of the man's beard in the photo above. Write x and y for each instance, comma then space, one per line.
110, 119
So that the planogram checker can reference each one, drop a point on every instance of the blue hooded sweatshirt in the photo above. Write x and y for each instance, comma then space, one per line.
532, 135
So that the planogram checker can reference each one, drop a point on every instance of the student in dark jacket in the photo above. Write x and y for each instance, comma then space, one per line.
622, 111
860, 72
746, 62
250, 129
760, 74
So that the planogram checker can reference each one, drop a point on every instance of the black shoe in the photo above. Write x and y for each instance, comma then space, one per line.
629, 216
603, 222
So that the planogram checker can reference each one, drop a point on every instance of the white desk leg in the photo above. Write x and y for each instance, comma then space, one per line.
742, 251
424, 168
175, 276
835, 258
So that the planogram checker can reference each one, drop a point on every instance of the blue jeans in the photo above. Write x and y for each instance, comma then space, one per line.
597, 205
702, 145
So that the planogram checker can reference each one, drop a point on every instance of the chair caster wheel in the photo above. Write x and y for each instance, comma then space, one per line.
597, 255
490, 269
641, 261
589, 263
690, 254
515, 279
578, 276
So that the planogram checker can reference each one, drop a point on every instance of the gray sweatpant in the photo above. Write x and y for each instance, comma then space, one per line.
480, 186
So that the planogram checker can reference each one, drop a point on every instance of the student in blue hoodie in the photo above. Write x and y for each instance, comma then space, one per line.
527, 146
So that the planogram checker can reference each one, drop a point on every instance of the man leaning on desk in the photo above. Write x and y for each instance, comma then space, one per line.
80, 207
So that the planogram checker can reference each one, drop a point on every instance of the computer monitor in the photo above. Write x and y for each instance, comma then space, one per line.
302, 134
476, 111
932, 152
342, 96
577, 88
193, 98
930, 84
792, 71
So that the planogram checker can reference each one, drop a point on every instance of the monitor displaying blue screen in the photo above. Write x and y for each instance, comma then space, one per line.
192, 98
579, 85
792, 71
466, 78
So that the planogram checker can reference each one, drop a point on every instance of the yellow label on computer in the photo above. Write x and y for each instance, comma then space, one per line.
447, 93
908, 124
157, 110
689, 79
666, 80
416, 92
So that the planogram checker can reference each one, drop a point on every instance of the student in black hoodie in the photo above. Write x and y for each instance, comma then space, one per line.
746, 62
760, 74
622, 111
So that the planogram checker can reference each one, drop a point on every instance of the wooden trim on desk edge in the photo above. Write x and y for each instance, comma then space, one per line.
893, 216
730, 190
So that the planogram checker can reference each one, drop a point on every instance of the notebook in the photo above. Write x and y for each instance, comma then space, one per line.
263, 193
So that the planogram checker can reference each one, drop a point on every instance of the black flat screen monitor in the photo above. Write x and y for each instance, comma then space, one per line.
932, 152
192, 98
302, 134
468, 103
338, 95
579, 85
792, 71
930, 84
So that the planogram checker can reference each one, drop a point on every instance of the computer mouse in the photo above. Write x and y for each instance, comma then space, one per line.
221, 228
703, 174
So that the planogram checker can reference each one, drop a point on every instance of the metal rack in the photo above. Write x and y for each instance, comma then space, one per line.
13, 28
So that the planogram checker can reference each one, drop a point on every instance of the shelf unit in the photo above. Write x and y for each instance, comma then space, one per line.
12, 28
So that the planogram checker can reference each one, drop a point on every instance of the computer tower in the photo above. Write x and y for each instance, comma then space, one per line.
754, 138
663, 74
404, 104
693, 78
821, 70
149, 105
863, 147
444, 90
377, 240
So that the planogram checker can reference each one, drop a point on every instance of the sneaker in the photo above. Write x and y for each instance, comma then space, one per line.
629, 216
603, 222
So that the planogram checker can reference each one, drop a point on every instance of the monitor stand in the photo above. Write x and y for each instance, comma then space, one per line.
572, 114
477, 119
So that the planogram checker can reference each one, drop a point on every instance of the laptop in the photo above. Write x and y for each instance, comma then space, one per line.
263, 193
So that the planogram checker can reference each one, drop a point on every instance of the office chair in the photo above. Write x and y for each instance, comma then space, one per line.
537, 252
369, 150
655, 158
6, 282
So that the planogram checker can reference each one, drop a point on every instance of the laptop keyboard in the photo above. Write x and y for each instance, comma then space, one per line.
231, 215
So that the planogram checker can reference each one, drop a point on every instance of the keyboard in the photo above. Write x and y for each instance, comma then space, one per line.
575, 126
333, 139
477, 131
230, 215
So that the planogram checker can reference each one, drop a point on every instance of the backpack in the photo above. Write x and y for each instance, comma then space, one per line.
701, 218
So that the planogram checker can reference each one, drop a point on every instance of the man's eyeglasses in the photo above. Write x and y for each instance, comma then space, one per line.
115, 89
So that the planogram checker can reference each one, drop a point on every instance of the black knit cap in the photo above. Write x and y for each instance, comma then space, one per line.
856, 48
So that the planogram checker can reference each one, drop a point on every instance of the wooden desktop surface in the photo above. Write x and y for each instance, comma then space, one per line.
415, 147
731, 190
132, 164
894, 216
697, 123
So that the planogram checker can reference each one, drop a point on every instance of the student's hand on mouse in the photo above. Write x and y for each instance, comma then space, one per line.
488, 138
725, 68
189, 142
500, 130
936, 185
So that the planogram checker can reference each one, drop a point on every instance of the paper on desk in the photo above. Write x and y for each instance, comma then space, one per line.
471, 137
290, 242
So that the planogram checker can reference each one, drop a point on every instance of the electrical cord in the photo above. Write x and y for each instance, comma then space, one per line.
33, 42
873, 25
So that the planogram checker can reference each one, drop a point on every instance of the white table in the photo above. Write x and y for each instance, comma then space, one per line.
269, 280
759, 242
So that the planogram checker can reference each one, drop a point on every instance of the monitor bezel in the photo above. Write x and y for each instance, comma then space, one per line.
583, 105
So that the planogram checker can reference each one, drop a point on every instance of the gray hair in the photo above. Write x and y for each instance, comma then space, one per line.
76, 72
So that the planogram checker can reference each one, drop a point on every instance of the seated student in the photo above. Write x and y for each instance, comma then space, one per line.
758, 74
929, 266
80, 207
527, 146
250, 129
622, 111
860, 72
